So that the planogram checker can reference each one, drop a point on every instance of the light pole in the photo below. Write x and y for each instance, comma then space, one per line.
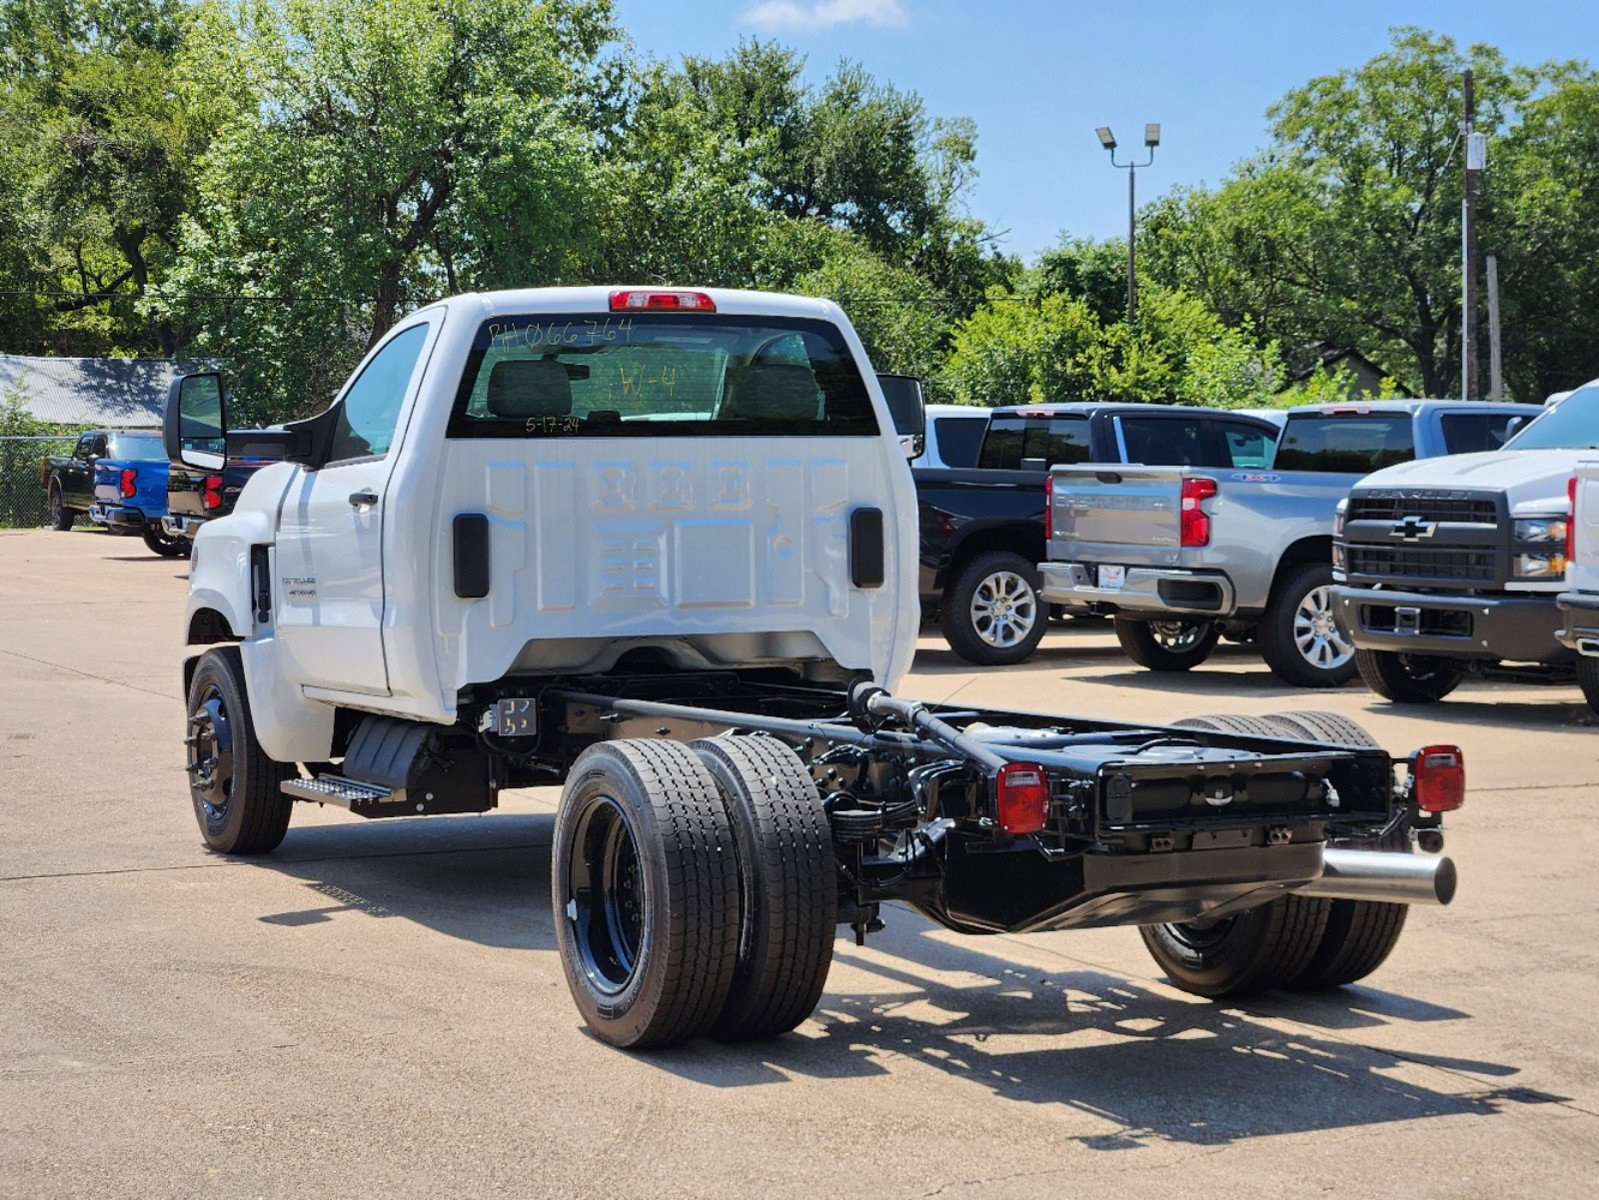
1151, 140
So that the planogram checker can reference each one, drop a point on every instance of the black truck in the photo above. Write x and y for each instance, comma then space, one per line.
982, 527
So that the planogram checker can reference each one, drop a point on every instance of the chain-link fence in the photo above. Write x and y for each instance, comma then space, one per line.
22, 499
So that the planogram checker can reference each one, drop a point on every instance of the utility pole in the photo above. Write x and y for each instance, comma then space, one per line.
1468, 250
1151, 140
1496, 381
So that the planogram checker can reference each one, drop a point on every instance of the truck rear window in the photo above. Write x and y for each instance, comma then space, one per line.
1346, 444
659, 375
137, 447
959, 439
1046, 441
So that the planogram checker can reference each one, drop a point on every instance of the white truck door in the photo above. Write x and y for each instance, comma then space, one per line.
330, 541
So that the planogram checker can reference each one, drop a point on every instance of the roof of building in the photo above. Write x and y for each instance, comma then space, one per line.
123, 393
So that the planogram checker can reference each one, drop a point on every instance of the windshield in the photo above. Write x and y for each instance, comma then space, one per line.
1573, 424
660, 375
1345, 443
133, 447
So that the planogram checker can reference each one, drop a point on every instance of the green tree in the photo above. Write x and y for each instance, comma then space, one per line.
901, 318
1017, 349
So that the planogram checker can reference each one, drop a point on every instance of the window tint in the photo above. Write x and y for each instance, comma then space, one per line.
1349, 444
1162, 441
660, 375
85, 446
371, 407
1572, 424
1469, 433
959, 439
1246, 445
1050, 441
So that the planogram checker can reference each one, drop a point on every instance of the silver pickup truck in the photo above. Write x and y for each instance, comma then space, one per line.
1182, 557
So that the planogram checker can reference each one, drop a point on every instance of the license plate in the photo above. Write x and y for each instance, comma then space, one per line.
1112, 578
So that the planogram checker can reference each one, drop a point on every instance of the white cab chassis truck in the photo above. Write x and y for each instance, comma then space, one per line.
659, 546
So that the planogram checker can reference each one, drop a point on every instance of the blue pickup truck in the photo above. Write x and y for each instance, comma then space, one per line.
118, 478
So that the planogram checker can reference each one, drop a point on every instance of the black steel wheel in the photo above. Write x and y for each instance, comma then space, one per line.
60, 515
1299, 639
788, 883
235, 786
1408, 678
1263, 947
167, 545
992, 616
1177, 644
644, 884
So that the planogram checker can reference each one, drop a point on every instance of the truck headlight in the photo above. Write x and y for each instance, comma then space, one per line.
1541, 566
1541, 529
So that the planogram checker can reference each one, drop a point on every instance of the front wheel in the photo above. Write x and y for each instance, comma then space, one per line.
1299, 639
1408, 678
236, 787
165, 544
992, 616
1174, 645
60, 515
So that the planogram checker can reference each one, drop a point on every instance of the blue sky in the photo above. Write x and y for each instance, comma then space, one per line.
1038, 76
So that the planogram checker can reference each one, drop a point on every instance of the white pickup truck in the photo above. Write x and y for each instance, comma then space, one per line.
659, 546
1580, 601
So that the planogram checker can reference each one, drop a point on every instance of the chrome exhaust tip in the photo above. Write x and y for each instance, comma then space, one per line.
1385, 877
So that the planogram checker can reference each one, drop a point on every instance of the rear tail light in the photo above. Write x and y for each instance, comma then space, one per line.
128, 485
213, 491
1049, 507
1438, 778
1571, 521
1023, 798
635, 300
1195, 520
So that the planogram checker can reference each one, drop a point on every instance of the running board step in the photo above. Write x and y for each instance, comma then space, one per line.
364, 799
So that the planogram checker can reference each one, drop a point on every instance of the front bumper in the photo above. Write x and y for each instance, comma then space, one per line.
117, 517
181, 526
1152, 590
1581, 628
1511, 628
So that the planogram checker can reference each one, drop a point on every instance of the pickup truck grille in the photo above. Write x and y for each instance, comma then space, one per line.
1430, 565
1453, 508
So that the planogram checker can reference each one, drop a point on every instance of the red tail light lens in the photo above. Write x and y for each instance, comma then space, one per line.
1571, 520
213, 491
1195, 520
1049, 507
1023, 798
1438, 778
642, 301
127, 486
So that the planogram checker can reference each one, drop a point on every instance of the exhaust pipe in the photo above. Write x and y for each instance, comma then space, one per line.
1384, 876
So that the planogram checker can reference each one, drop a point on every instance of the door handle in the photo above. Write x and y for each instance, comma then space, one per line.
365, 498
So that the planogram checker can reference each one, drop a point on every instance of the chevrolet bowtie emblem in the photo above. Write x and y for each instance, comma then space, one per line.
1413, 529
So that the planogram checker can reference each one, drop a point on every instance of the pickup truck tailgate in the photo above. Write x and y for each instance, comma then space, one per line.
1125, 507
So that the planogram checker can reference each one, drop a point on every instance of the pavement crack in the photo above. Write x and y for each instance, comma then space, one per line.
45, 662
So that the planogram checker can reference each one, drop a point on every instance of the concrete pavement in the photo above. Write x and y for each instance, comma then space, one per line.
377, 1009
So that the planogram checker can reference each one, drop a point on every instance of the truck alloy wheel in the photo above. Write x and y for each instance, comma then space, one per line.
992, 615
1171, 645
1317, 635
1408, 678
1299, 637
60, 514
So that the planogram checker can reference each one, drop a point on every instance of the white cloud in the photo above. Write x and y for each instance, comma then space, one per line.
796, 16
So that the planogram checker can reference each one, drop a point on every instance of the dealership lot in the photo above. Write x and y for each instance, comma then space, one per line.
378, 1008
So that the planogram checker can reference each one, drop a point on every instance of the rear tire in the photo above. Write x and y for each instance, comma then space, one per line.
1263, 947
1175, 645
61, 516
1229, 723
1324, 727
644, 885
1588, 680
1299, 639
992, 616
788, 882
1408, 678
235, 786
163, 543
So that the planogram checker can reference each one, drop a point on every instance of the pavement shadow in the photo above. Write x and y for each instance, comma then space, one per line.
481, 879
1554, 715
1158, 1069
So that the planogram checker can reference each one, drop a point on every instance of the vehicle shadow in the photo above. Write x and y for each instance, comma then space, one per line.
1155, 1068
1555, 715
